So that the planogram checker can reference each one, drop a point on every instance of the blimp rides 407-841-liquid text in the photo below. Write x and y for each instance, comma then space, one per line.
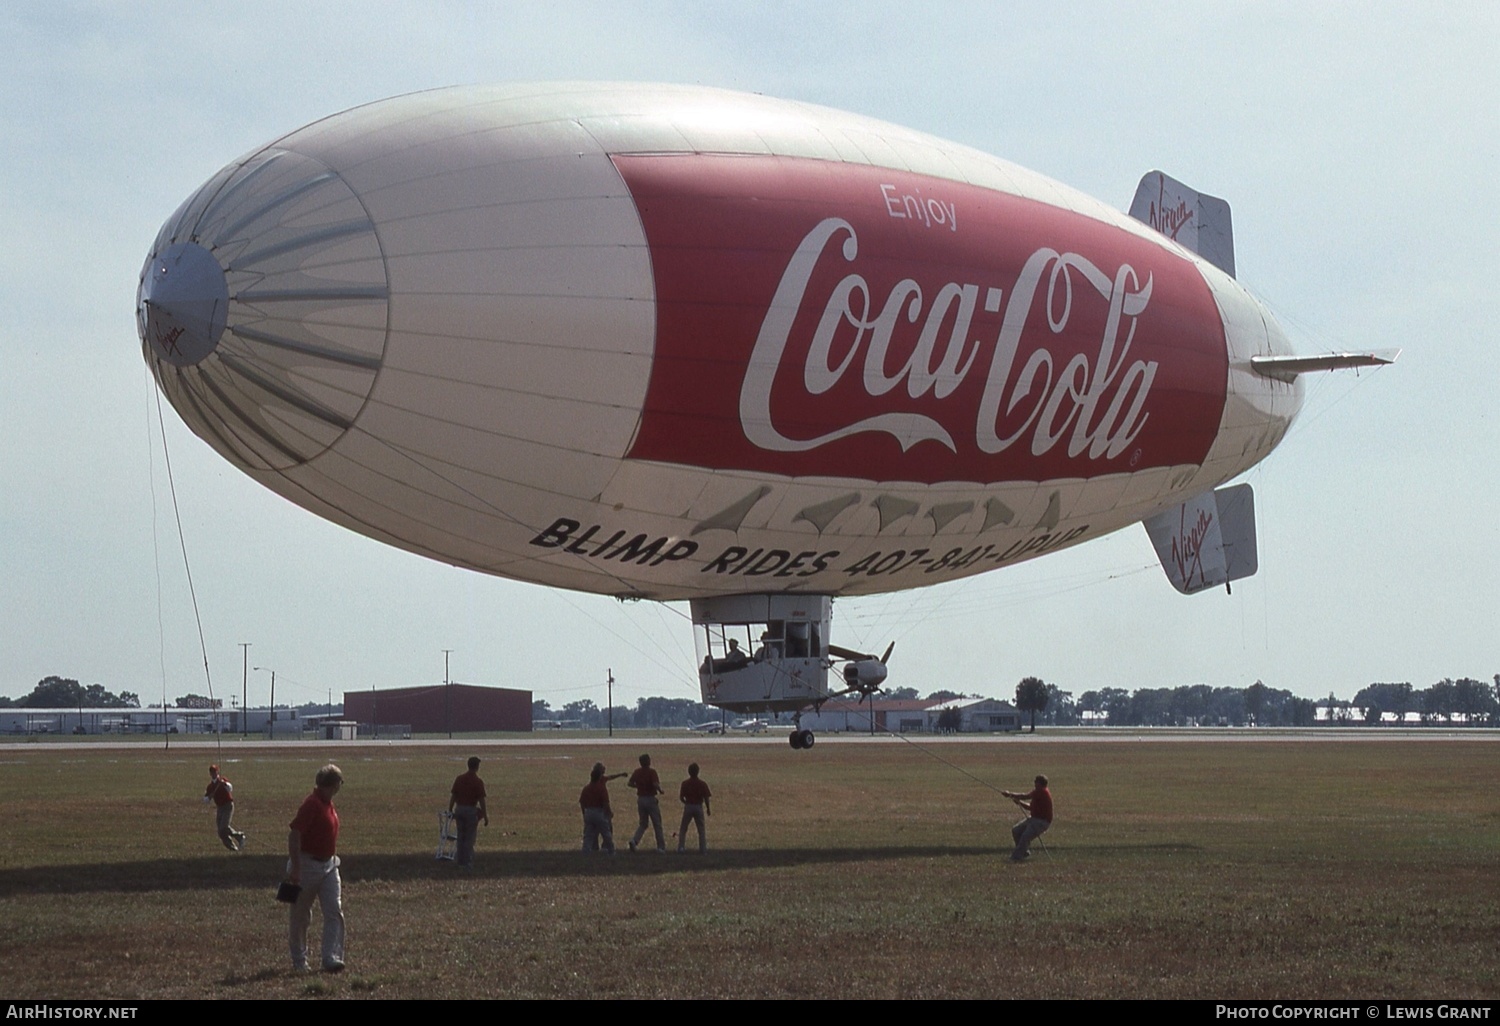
668, 342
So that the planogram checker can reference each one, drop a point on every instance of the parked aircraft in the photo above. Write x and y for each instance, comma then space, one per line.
667, 342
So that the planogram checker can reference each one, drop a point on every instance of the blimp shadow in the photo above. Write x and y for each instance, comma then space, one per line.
264, 871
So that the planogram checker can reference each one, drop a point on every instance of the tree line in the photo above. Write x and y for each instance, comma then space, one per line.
1448, 701
1465, 700
66, 693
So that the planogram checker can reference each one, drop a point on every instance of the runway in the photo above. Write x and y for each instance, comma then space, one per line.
777, 737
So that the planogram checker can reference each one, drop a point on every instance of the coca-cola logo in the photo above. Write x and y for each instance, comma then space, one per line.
1096, 401
855, 322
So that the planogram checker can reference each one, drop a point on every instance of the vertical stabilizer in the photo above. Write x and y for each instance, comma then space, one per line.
1208, 540
1193, 220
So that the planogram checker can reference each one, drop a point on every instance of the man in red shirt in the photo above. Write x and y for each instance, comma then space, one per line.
313, 864
647, 786
694, 796
466, 803
598, 817
1037, 804
221, 792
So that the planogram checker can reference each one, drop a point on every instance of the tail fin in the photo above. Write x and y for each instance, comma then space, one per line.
1193, 220
1208, 540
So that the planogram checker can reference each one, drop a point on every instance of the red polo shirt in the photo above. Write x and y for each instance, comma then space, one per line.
220, 790
694, 791
1041, 804
468, 789
646, 782
318, 823
595, 795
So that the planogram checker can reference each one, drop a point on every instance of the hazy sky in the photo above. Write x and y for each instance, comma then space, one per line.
1357, 144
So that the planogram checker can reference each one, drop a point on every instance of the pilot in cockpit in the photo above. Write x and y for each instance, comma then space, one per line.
735, 657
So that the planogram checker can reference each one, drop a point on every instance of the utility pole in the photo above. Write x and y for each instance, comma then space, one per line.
447, 694
244, 687
611, 700
270, 723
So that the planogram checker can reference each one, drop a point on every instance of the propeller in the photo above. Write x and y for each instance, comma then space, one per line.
863, 672
848, 653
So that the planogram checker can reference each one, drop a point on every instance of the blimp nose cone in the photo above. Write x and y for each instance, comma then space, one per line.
184, 303
263, 309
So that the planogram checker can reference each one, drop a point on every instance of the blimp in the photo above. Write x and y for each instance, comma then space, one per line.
676, 343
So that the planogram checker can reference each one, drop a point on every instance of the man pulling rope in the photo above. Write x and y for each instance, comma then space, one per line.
1037, 804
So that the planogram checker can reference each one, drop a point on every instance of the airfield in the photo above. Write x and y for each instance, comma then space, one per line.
1332, 863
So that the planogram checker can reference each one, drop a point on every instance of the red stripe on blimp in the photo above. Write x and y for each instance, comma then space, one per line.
836, 320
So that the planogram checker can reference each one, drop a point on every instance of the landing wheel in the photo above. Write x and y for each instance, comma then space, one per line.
795, 737
807, 739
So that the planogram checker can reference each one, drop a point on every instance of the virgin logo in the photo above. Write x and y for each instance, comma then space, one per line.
1096, 401
1187, 546
1170, 221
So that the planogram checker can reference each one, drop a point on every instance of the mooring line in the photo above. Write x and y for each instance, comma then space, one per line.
192, 591
161, 616
930, 753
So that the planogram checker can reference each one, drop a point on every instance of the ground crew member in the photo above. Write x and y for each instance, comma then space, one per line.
221, 792
598, 817
313, 865
694, 796
1037, 804
466, 804
647, 786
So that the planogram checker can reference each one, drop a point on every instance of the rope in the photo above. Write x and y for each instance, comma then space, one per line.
161, 619
982, 783
187, 568
929, 753
933, 755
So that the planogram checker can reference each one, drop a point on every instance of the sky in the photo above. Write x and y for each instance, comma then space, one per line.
1356, 144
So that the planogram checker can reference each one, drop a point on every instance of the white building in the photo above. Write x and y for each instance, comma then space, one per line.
978, 715
171, 720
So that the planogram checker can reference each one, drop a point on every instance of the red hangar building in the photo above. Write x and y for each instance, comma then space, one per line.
439, 708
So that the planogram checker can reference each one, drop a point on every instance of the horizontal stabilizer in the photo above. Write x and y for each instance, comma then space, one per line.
1190, 218
1286, 368
1208, 540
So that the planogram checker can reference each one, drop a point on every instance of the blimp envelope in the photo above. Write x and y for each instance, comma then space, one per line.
669, 342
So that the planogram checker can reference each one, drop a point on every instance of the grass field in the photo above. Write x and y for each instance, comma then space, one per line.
1292, 869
